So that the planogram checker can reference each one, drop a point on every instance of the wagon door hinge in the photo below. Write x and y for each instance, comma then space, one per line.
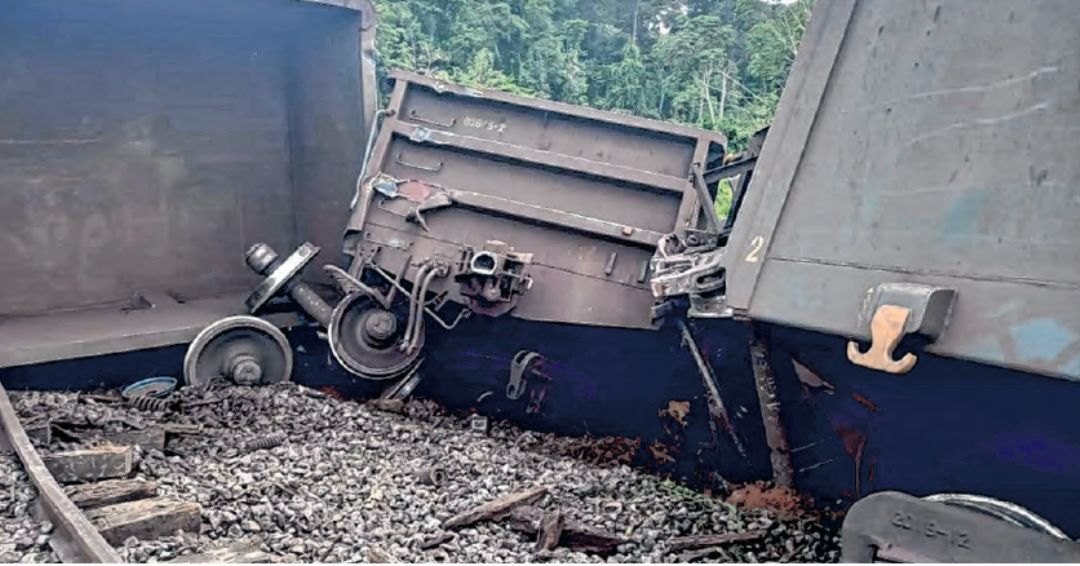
893, 310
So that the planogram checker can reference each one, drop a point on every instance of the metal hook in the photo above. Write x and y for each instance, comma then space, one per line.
886, 331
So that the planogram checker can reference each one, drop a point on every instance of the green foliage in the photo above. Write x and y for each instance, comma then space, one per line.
718, 64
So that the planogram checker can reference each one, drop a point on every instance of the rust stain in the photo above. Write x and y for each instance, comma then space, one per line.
660, 453
864, 402
415, 191
332, 392
676, 410
785, 501
854, 442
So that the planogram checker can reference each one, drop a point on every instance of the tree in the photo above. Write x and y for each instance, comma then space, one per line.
718, 64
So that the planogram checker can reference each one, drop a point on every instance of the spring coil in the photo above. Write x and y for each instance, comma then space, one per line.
147, 403
266, 442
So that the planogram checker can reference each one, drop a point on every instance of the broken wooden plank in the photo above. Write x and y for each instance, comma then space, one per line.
91, 464
435, 541
575, 535
551, 527
241, 552
148, 439
109, 492
495, 509
705, 541
146, 519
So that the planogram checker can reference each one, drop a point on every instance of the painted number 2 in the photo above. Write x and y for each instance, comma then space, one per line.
755, 249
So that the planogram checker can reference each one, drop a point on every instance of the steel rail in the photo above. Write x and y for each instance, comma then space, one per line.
75, 539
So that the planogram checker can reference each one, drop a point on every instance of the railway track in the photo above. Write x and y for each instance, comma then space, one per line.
292, 474
75, 539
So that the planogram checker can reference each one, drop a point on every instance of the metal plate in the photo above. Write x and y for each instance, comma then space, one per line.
930, 143
146, 144
293, 265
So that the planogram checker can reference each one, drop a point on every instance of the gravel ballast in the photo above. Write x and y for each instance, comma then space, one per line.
342, 485
22, 538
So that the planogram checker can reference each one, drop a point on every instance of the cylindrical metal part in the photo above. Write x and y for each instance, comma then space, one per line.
433, 475
266, 442
264, 260
311, 302
261, 258
244, 369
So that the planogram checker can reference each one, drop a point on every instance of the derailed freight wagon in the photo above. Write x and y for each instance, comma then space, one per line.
917, 195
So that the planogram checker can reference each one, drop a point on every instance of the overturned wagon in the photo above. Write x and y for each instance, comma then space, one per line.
490, 204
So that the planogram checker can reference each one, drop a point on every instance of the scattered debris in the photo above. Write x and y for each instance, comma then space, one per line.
148, 403
346, 483
551, 527
435, 541
478, 423
433, 475
527, 519
266, 442
495, 509
784, 501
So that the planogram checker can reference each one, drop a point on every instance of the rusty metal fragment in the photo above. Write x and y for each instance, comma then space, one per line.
775, 434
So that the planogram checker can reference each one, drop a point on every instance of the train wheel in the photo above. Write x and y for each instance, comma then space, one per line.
245, 349
368, 340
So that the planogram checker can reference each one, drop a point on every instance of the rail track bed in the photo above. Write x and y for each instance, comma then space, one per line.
287, 473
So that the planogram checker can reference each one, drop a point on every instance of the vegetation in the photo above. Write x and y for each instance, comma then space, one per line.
717, 64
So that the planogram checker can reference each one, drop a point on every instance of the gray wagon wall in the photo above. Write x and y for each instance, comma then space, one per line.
145, 144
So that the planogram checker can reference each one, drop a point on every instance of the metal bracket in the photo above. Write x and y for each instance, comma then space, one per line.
895, 527
520, 364
897, 309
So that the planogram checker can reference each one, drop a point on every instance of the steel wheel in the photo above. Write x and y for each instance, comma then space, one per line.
366, 339
245, 349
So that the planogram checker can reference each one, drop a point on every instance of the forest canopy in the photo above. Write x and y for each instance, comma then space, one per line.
717, 64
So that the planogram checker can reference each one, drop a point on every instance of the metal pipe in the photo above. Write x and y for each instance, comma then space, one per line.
465, 313
347, 278
421, 274
416, 315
